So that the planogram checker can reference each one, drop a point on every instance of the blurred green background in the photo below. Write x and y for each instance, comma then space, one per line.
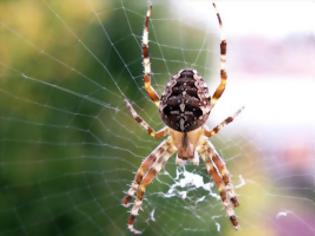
68, 147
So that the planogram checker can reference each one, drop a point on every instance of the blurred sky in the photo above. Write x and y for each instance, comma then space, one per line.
263, 35
266, 18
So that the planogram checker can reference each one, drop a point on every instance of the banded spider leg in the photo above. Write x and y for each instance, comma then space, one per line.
146, 60
221, 177
146, 173
223, 49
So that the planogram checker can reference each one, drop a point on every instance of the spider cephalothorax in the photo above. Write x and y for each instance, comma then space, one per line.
185, 104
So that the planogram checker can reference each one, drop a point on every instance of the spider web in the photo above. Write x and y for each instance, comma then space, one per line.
69, 148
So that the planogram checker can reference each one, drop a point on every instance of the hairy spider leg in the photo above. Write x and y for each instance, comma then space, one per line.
225, 174
213, 171
210, 133
223, 48
145, 166
146, 60
155, 134
162, 154
142, 170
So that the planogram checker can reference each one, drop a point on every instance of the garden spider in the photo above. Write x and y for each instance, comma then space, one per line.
184, 106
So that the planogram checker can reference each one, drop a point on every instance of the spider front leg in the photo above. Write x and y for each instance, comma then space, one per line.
142, 170
155, 134
225, 174
215, 157
145, 166
221, 178
146, 60
148, 170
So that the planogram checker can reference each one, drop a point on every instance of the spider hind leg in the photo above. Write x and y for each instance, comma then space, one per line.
223, 50
146, 60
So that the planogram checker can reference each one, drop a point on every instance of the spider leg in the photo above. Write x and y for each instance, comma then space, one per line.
145, 166
225, 174
146, 60
142, 170
226, 177
161, 155
210, 133
222, 181
223, 48
155, 134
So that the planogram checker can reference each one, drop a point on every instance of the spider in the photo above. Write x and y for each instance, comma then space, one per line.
184, 107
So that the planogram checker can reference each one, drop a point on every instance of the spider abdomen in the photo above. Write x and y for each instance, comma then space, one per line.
185, 104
